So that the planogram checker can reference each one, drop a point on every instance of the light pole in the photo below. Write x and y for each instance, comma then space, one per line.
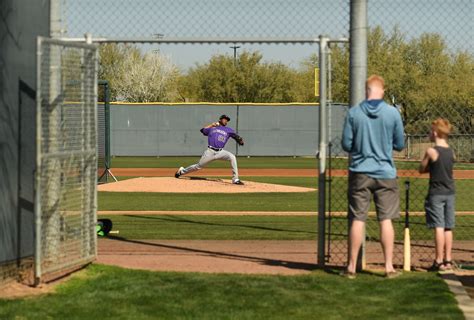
235, 47
235, 53
157, 36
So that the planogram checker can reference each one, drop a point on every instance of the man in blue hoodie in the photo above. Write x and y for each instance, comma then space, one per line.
372, 130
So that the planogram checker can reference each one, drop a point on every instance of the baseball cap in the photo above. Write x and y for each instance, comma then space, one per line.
224, 117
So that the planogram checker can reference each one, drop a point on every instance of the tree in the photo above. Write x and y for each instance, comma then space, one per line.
138, 77
112, 57
247, 80
424, 76
147, 78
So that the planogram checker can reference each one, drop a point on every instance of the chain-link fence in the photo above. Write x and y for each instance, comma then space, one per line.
423, 49
413, 46
208, 18
422, 237
66, 174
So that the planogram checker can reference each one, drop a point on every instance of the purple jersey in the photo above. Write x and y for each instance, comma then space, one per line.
217, 136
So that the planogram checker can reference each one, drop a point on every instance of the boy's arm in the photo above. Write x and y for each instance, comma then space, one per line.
430, 155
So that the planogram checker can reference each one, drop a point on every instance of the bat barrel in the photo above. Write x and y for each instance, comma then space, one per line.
406, 242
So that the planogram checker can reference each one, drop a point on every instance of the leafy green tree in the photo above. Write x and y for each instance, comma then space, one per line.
246, 80
423, 75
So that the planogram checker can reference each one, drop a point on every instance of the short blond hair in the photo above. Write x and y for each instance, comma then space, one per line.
442, 127
375, 79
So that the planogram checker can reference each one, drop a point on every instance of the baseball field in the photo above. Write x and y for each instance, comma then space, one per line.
246, 255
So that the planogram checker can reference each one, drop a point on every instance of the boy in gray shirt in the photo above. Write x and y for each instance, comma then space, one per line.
439, 204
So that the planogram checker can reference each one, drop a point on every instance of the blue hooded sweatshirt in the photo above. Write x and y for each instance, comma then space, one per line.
372, 130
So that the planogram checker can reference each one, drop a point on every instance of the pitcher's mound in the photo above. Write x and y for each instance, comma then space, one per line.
194, 185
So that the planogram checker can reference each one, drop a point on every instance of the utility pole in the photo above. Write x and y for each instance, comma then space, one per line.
235, 47
157, 36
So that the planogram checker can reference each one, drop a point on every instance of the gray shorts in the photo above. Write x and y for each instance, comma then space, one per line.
440, 211
386, 197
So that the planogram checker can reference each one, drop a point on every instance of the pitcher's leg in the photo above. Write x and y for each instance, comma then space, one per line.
207, 156
226, 155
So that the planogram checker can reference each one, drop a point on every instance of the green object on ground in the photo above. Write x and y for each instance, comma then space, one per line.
466, 267
100, 232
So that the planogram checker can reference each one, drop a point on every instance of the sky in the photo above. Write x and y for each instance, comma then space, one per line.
453, 19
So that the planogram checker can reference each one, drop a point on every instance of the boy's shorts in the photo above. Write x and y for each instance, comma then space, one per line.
440, 211
386, 197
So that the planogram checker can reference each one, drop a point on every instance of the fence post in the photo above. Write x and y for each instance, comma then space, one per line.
237, 129
323, 43
108, 165
358, 72
358, 50
37, 276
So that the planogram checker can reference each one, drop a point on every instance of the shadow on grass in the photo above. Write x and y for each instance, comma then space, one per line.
264, 261
180, 219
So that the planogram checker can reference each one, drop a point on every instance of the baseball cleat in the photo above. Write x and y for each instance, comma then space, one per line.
238, 182
178, 173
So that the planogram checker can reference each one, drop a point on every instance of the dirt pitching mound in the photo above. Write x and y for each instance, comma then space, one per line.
194, 185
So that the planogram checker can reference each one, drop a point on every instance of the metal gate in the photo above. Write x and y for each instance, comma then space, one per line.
66, 174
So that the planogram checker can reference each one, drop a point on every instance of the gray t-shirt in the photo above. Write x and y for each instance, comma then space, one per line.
441, 172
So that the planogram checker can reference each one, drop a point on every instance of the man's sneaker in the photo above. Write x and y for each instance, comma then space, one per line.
436, 266
178, 173
238, 182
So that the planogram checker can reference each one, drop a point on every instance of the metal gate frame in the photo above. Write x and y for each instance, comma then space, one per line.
87, 225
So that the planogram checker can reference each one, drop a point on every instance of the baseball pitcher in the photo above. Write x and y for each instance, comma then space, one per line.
217, 136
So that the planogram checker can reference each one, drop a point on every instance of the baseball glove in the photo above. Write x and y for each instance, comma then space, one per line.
239, 140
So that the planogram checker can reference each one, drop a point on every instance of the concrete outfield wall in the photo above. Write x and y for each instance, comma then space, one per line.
22, 21
173, 130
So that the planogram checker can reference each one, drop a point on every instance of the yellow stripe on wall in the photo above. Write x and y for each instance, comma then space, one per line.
216, 103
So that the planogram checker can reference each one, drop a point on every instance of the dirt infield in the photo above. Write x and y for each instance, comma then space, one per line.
240, 256
195, 185
209, 172
212, 256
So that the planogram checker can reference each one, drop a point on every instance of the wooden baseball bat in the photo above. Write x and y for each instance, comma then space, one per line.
406, 241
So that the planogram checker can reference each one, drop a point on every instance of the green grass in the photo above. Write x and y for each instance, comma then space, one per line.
252, 162
174, 227
244, 162
141, 201
137, 201
103, 292
182, 227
